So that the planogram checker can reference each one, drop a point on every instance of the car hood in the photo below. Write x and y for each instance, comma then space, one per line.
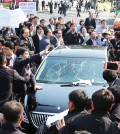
54, 98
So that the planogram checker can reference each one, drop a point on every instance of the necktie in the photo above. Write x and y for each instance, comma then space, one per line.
8, 61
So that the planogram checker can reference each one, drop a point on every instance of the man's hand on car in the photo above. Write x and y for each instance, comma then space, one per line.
36, 87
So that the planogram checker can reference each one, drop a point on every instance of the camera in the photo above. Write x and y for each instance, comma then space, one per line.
113, 66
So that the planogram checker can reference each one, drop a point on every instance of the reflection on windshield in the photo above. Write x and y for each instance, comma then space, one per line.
65, 70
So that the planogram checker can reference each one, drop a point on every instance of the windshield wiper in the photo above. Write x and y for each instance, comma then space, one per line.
78, 83
46, 81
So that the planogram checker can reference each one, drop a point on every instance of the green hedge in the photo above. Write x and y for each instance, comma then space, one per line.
5, 5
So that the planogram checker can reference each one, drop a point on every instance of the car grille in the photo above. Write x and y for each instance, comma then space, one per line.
37, 118
25, 118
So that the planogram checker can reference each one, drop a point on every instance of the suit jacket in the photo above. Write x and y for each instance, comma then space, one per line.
54, 41
10, 129
89, 42
7, 77
88, 23
113, 42
115, 113
98, 122
36, 42
116, 82
49, 26
22, 67
28, 43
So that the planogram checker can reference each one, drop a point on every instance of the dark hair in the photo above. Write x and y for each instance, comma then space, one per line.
79, 99
35, 17
51, 18
88, 105
117, 34
46, 31
68, 22
13, 38
2, 58
92, 32
56, 31
9, 44
57, 24
12, 111
109, 76
20, 51
81, 21
42, 20
22, 30
59, 18
116, 92
29, 24
72, 24
2, 41
102, 100
82, 132
103, 20
39, 26
82, 28
91, 27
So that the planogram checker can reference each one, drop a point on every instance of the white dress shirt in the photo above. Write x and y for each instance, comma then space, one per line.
12, 59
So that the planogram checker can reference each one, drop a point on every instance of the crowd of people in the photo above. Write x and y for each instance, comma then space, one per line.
98, 115
21, 52
64, 6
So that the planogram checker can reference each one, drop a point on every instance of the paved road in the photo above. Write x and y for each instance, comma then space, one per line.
73, 15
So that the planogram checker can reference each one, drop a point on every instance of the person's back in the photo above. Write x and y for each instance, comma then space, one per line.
7, 76
111, 78
76, 105
115, 111
12, 116
98, 122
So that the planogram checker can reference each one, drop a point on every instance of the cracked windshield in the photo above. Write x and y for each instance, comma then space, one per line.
68, 70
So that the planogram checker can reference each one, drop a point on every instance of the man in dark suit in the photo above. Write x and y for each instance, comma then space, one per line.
90, 21
22, 65
72, 37
12, 118
98, 122
111, 77
51, 26
76, 105
37, 37
7, 76
115, 111
116, 45
43, 5
27, 40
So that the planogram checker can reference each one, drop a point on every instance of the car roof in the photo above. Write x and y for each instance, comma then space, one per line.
79, 51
